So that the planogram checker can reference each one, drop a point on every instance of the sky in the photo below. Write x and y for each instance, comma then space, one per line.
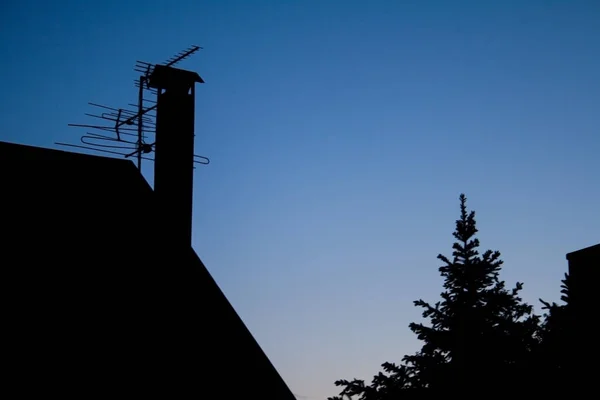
340, 135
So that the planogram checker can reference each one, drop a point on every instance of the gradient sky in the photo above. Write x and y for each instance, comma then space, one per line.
341, 134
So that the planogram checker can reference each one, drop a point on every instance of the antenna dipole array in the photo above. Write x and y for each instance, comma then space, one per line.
126, 132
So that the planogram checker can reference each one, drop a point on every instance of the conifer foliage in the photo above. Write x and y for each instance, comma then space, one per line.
479, 335
554, 354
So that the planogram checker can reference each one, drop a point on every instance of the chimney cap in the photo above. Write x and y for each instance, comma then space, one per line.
164, 77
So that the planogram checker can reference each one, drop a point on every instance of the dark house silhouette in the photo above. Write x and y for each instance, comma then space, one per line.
584, 274
584, 266
99, 300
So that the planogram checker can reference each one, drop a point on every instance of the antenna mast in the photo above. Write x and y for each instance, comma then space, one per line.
170, 120
121, 125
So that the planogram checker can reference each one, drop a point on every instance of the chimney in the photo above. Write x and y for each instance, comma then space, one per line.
174, 148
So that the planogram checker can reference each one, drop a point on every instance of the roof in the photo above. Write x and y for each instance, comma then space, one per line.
100, 300
591, 252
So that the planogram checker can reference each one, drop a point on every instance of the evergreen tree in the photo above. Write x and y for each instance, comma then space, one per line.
554, 354
480, 334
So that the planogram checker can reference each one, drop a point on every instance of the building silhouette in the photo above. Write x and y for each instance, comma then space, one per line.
101, 299
584, 274
584, 270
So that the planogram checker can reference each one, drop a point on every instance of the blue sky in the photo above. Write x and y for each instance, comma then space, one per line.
340, 135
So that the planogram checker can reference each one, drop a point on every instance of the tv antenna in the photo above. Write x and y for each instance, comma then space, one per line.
130, 132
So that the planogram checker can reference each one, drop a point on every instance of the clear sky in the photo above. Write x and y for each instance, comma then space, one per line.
341, 134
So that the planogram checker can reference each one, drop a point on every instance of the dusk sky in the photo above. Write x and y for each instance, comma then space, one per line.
340, 135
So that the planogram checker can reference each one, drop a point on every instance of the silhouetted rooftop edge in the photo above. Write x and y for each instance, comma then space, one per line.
117, 305
594, 249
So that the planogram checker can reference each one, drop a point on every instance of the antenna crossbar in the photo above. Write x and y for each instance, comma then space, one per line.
123, 124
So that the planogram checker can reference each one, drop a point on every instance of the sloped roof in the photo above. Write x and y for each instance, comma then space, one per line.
100, 301
588, 252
